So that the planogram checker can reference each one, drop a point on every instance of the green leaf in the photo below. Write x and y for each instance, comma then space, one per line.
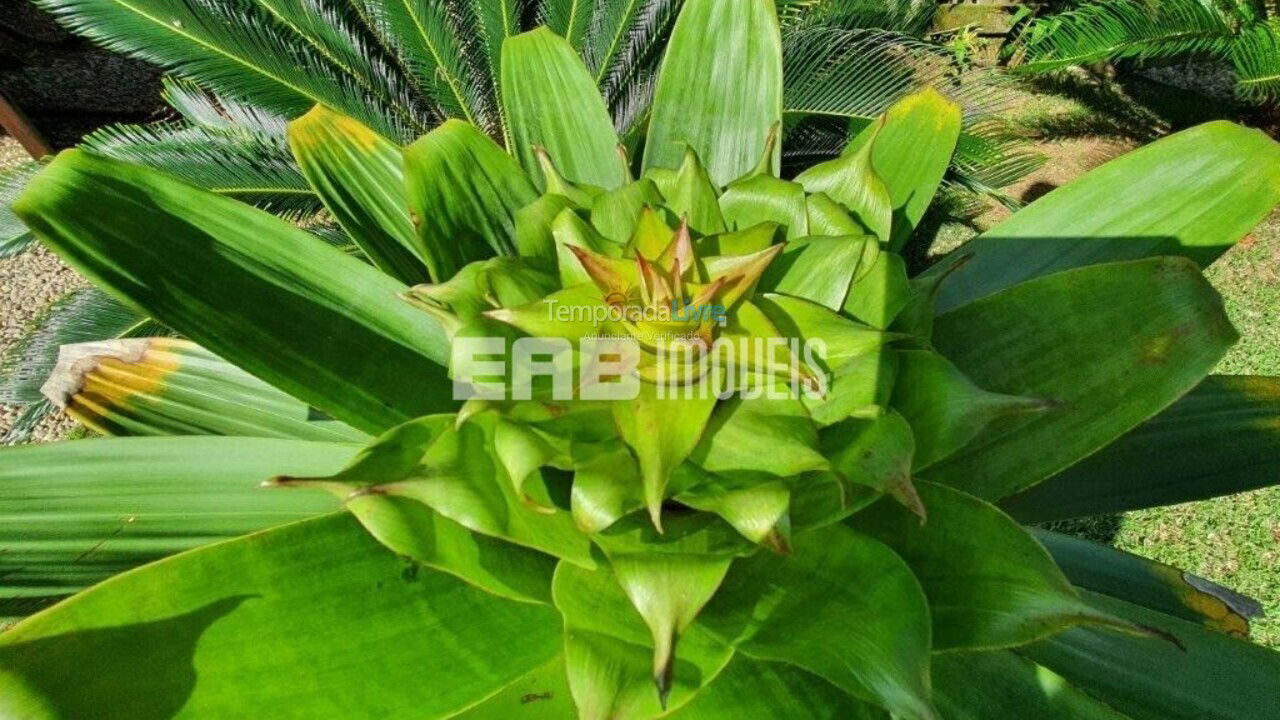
1116, 30
452, 471
858, 388
668, 590
1108, 366
860, 370
616, 213
464, 192
413, 530
569, 230
720, 88
764, 198
481, 287
946, 409
747, 687
1153, 585
875, 453
534, 320
662, 432
165, 386
730, 442
567, 18
1195, 674
818, 269
843, 607
269, 297
533, 223
552, 102
1219, 439
219, 632
911, 154
802, 319
852, 181
1193, 194
75, 513
693, 196
248, 159
984, 685
606, 486
990, 584
756, 509
360, 177
541, 694
877, 297
609, 655
741, 242
827, 217
428, 43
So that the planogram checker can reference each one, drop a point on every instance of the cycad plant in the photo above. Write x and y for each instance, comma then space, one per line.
1239, 33
463, 519
241, 69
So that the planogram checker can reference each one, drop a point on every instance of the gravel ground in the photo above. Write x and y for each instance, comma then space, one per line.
28, 283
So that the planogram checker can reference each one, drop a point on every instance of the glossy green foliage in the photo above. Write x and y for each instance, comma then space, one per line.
810, 531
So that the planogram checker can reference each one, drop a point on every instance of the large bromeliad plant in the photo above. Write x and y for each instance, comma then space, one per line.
240, 69
836, 549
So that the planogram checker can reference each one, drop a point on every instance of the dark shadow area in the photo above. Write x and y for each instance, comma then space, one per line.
1036, 191
135, 672
65, 85
1100, 529
1129, 106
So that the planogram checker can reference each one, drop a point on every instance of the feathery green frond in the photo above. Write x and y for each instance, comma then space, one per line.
14, 235
906, 16
989, 157
855, 73
1116, 29
251, 166
426, 35
484, 26
626, 66
334, 30
1256, 57
215, 112
568, 18
237, 49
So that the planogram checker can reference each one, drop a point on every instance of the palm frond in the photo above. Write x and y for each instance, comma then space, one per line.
624, 48
1256, 58
428, 38
209, 110
254, 167
14, 235
567, 18
617, 27
337, 33
23, 426
989, 157
855, 73
911, 17
1120, 29
484, 26
234, 47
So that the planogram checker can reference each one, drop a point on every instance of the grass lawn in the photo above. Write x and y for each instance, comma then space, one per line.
1234, 540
